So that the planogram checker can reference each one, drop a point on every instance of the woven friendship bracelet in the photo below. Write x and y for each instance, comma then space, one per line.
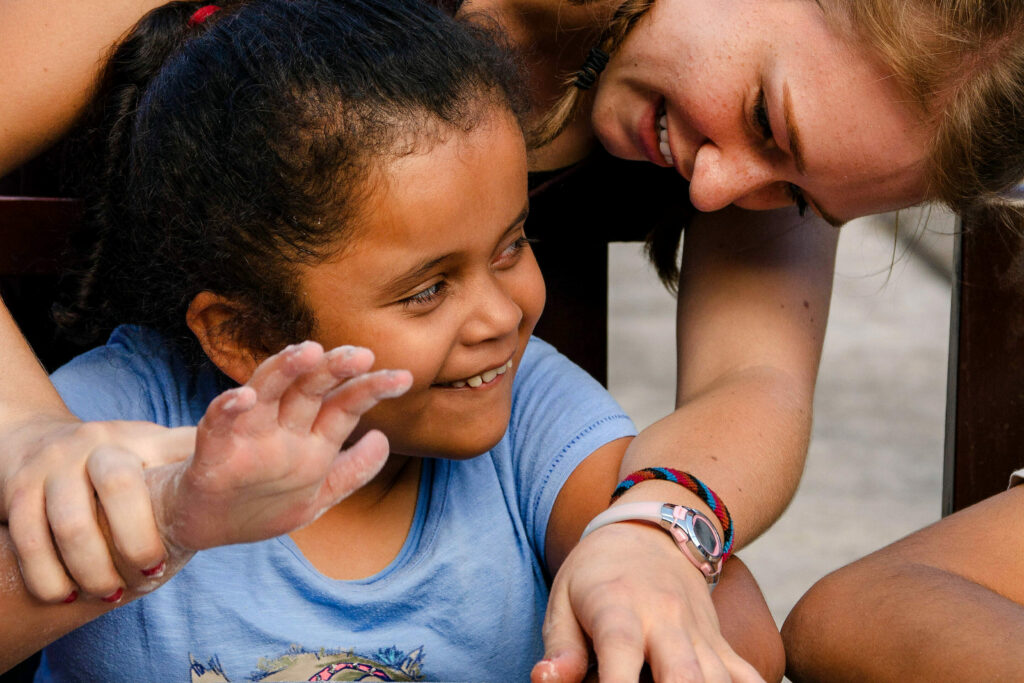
692, 483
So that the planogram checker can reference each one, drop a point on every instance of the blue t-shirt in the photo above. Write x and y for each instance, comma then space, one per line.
463, 600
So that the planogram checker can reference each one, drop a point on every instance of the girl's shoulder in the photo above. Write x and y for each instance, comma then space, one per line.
137, 375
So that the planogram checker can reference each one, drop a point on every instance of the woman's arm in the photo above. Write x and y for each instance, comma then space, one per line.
753, 304
50, 56
944, 604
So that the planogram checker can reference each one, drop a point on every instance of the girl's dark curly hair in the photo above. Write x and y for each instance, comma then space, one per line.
229, 151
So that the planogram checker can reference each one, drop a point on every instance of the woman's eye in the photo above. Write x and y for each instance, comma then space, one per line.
761, 119
427, 295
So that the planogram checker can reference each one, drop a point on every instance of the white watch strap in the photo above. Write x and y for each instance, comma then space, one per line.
643, 511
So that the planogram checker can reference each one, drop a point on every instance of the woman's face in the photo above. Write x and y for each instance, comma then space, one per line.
760, 99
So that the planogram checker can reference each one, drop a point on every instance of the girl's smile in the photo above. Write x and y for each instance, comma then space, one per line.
484, 380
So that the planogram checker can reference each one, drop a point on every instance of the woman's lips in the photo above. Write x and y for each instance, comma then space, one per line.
647, 135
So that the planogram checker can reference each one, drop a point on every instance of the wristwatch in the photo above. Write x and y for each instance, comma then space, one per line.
692, 531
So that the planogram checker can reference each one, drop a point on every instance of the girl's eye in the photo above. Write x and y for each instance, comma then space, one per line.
761, 119
797, 196
426, 296
513, 250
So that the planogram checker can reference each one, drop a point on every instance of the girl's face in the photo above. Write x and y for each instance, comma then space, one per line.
762, 99
438, 279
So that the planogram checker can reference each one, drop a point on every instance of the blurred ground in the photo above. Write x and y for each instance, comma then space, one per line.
874, 469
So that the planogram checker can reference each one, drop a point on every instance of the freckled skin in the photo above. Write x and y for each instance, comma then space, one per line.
708, 80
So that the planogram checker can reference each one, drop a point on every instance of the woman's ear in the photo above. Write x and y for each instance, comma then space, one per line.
209, 316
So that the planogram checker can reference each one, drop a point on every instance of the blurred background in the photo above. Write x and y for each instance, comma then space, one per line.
874, 469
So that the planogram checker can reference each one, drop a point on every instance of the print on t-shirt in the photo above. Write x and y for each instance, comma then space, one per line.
299, 664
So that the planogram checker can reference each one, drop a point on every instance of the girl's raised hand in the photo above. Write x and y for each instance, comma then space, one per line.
627, 590
269, 455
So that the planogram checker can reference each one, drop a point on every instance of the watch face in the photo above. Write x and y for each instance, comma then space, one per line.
706, 535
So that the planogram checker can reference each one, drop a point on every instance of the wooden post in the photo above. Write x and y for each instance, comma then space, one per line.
985, 400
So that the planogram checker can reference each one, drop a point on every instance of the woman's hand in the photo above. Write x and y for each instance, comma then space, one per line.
269, 455
55, 470
628, 590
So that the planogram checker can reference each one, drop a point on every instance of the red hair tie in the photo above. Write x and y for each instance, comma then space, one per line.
202, 14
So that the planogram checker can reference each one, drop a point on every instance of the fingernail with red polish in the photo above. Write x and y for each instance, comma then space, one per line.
156, 571
115, 596
72, 596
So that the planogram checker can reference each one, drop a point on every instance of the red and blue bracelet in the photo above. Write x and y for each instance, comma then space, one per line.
692, 483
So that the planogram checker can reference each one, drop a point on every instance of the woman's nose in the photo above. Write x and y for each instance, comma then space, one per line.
722, 176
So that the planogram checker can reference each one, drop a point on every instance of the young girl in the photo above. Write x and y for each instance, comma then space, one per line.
352, 173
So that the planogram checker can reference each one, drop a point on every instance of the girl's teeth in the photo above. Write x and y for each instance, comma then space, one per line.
477, 380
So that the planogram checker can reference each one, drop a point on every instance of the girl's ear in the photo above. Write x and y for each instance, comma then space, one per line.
209, 316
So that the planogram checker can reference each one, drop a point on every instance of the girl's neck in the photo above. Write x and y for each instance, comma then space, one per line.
362, 534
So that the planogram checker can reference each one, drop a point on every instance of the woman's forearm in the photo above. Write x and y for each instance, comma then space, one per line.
753, 303
745, 437
25, 389
50, 55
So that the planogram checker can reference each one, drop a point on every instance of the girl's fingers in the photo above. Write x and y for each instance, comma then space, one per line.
220, 416
565, 644
276, 374
355, 466
82, 546
118, 479
41, 570
343, 406
300, 404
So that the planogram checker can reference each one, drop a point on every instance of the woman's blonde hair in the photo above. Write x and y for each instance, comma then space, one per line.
960, 63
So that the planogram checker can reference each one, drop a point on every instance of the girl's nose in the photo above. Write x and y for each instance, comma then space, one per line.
495, 314
722, 176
